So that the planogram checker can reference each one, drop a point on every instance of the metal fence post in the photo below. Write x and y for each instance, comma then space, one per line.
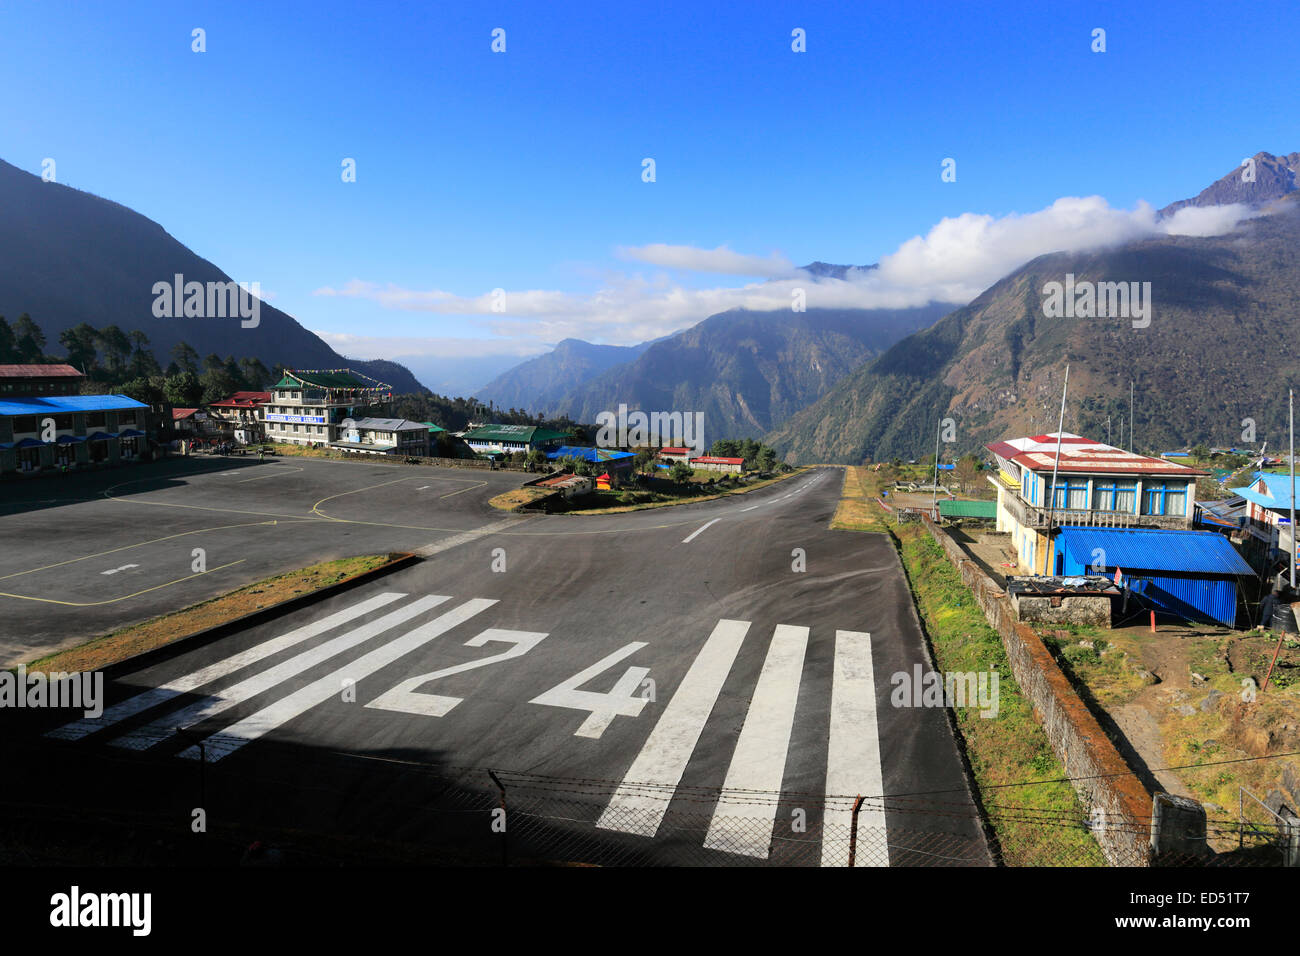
853, 832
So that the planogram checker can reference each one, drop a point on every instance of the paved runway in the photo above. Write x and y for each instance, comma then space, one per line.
117, 547
702, 684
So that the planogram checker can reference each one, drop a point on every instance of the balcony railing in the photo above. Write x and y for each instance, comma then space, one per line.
1032, 516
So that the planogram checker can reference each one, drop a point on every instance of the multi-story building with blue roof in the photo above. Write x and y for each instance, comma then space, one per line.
50, 429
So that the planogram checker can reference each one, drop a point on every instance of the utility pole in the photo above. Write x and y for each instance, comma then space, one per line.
1107, 429
1130, 415
1056, 464
934, 498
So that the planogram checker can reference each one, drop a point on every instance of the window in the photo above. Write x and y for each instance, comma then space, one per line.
1071, 493
126, 417
96, 419
1111, 494
27, 423
1164, 498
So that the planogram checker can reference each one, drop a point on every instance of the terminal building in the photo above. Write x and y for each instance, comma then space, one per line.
46, 426
309, 407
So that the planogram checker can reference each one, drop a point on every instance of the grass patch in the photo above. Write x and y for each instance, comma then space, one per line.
167, 628
1011, 748
289, 450
518, 498
636, 499
857, 511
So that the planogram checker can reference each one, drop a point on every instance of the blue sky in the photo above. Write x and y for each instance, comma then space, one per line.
523, 170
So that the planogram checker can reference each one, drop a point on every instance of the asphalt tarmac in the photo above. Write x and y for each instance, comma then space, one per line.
704, 684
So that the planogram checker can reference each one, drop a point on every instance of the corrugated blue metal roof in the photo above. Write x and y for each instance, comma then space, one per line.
593, 455
63, 404
1202, 552
1278, 496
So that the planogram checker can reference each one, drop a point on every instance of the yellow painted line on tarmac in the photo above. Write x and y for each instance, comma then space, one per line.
124, 597
139, 544
107, 493
357, 491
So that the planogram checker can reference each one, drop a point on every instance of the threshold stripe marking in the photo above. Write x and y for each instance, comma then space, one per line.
165, 726
232, 738
741, 825
183, 685
853, 757
668, 749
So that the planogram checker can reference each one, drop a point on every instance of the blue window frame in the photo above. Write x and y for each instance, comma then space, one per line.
1164, 498
1112, 494
1071, 493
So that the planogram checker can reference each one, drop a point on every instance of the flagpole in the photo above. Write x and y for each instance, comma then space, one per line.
934, 498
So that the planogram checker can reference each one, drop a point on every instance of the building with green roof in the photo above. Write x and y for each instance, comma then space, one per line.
507, 439
308, 405
957, 508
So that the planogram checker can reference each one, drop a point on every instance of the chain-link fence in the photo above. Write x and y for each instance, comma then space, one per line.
288, 802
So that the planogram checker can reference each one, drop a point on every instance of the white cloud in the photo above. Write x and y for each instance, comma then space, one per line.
719, 261
953, 263
398, 347
1207, 220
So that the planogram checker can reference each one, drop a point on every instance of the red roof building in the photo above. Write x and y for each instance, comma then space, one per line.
715, 463
243, 400
675, 454
31, 381
1091, 484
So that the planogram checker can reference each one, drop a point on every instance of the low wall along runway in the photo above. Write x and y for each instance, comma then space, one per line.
1104, 781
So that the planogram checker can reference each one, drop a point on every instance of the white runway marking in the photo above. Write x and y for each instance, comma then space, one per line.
278, 474
663, 758
853, 756
740, 824
750, 508
465, 537
125, 567
156, 731
227, 741
619, 701
183, 685
691, 537
422, 487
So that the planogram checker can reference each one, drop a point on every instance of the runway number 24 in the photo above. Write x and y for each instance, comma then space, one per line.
601, 707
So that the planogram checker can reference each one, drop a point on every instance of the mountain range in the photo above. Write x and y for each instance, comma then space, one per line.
542, 383
746, 371
73, 257
1213, 366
